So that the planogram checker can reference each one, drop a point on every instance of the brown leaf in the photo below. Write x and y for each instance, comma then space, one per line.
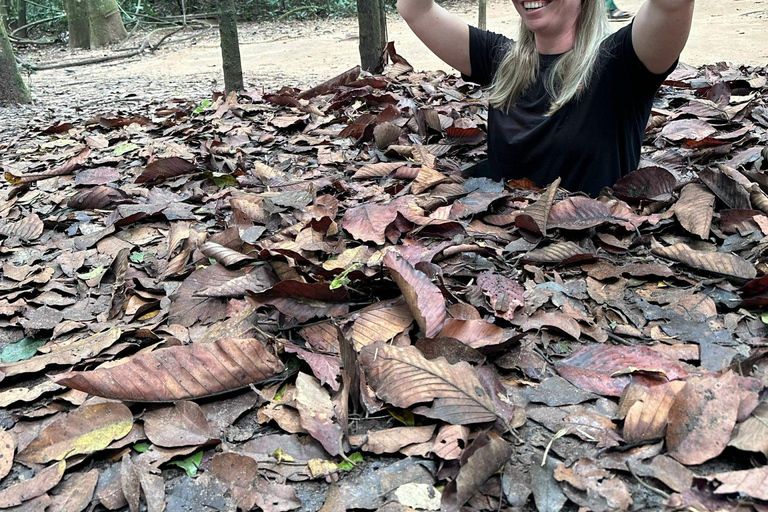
559, 321
751, 435
71, 352
451, 441
559, 253
87, 429
378, 170
386, 134
484, 457
97, 176
75, 494
716, 262
606, 370
187, 308
7, 449
504, 294
423, 298
260, 279
694, 209
182, 424
38, 485
368, 222
96, 198
455, 392
600, 493
534, 217
702, 418
751, 482
726, 189
164, 168
474, 333
392, 440
224, 255
317, 414
331, 85
427, 178
687, 129
68, 167
577, 213
239, 473
646, 417
179, 373
646, 184
326, 368
28, 228
380, 322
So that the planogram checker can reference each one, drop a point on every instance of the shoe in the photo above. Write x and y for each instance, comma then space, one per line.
618, 15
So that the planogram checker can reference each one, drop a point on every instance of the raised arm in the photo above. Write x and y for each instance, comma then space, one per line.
446, 34
660, 31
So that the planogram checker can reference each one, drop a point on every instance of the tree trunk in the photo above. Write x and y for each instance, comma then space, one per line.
22, 5
94, 23
77, 23
482, 15
230, 46
372, 23
106, 23
5, 13
12, 88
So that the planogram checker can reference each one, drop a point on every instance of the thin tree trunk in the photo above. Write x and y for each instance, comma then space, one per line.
5, 13
12, 88
77, 23
22, 6
482, 15
230, 46
372, 23
105, 22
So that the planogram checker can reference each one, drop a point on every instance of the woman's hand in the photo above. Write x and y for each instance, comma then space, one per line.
660, 31
446, 34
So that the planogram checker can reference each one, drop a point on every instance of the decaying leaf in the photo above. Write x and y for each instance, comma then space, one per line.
182, 424
647, 415
751, 482
45, 480
752, 434
716, 262
455, 392
694, 209
87, 429
178, 373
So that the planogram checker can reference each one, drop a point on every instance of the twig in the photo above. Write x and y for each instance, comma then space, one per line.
297, 9
646, 485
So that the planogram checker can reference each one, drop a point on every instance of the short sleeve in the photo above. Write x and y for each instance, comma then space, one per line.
486, 50
635, 71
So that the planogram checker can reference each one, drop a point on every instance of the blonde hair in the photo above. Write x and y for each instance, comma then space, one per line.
567, 78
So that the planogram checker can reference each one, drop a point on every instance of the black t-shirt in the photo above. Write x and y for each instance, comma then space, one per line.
590, 142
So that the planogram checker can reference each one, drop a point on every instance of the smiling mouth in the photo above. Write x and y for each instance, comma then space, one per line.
534, 6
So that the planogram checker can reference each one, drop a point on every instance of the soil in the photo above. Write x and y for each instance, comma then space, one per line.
305, 53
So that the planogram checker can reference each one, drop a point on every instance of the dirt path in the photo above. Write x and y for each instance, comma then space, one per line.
303, 53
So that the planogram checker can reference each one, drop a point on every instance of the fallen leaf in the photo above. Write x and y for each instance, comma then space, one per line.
694, 209
751, 482
455, 392
751, 435
75, 494
178, 373
87, 429
45, 480
716, 262
392, 440
182, 424
7, 449
647, 416
317, 414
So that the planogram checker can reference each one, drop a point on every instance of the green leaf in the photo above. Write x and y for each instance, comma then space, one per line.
96, 272
141, 447
138, 257
190, 464
221, 179
21, 350
764, 318
404, 416
205, 104
345, 465
125, 147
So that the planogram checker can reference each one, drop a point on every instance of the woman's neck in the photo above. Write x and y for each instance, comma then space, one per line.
555, 44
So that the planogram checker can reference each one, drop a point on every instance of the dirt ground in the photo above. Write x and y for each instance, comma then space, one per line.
304, 53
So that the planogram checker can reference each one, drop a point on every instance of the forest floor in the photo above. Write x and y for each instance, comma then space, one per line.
303, 53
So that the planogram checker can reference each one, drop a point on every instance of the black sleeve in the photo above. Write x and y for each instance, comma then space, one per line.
633, 70
486, 50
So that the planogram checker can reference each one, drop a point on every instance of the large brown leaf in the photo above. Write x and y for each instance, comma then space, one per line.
316, 413
380, 322
560, 252
403, 377
646, 418
577, 213
391, 440
368, 222
179, 373
87, 429
647, 184
606, 369
751, 482
694, 209
28, 228
423, 298
164, 168
7, 449
702, 418
726, 189
187, 307
716, 262
687, 129
68, 167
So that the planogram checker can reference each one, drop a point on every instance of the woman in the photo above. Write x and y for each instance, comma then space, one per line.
566, 99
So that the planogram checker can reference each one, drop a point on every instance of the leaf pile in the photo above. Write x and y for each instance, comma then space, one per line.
203, 305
